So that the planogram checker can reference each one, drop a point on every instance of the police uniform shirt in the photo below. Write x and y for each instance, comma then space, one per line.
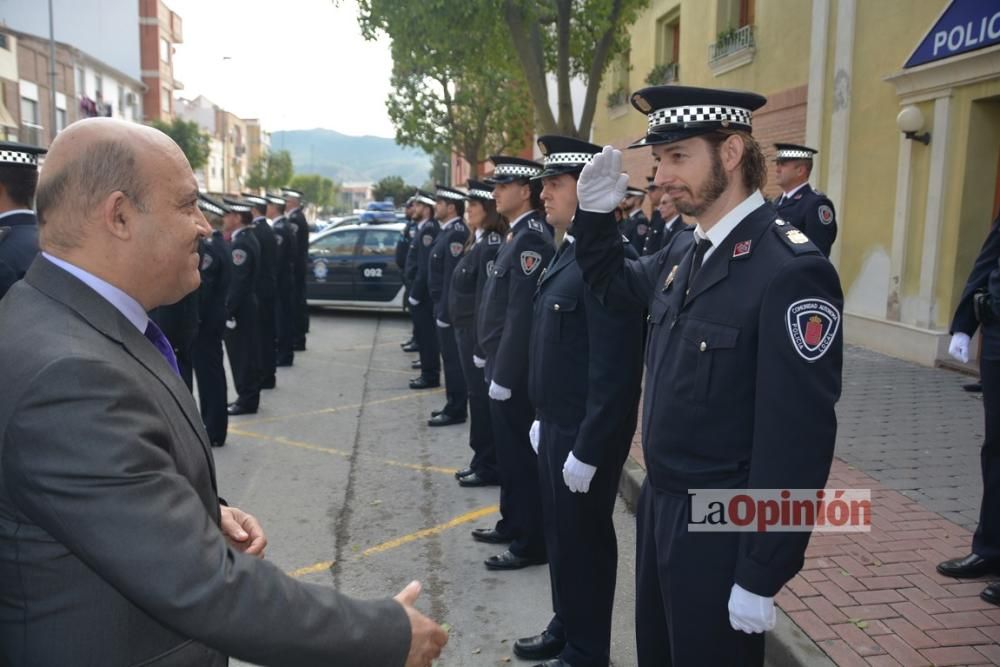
422, 244
812, 213
18, 245
241, 301
447, 250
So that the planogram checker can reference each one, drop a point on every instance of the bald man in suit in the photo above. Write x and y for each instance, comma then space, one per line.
114, 547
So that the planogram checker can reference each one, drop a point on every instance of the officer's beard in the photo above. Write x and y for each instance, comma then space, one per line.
708, 193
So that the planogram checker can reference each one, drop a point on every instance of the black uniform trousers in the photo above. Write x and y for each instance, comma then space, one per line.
484, 453
427, 340
986, 539
520, 502
211, 374
266, 336
243, 347
683, 583
582, 547
284, 306
454, 379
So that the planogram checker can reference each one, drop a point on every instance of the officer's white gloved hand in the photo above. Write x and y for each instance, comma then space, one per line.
442, 325
534, 433
231, 323
413, 302
750, 612
498, 393
602, 185
578, 474
478, 362
959, 347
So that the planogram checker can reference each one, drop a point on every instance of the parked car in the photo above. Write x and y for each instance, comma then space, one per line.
379, 211
354, 266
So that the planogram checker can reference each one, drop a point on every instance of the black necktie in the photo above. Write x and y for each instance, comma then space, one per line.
701, 246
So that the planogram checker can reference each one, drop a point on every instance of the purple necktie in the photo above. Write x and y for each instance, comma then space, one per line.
161, 343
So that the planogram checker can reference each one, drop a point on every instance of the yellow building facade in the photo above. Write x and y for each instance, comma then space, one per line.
837, 73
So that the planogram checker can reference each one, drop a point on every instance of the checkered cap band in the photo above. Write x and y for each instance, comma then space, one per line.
274, 200
239, 208
448, 194
790, 154
481, 194
18, 157
673, 117
424, 200
517, 170
556, 159
255, 200
209, 207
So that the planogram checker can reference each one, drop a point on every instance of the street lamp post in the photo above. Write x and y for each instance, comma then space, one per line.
52, 72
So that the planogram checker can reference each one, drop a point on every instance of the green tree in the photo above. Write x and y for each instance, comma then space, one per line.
392, 187
451, 93
195, 143
317, 189
270, 171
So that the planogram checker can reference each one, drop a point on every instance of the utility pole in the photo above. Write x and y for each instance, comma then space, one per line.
52, 72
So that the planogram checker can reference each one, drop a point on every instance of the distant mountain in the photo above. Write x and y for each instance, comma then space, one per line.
342, 157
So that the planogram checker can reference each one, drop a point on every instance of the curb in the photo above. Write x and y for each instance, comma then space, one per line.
787, 645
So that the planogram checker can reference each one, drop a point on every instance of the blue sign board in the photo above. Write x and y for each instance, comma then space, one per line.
966, 25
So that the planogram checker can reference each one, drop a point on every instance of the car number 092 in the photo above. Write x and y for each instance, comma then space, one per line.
372, 272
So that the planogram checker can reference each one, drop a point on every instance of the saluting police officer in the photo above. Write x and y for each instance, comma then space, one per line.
242, 342
803, 206
402, 252
743, 372
18, 224
285, 296
299, 225
584, 378
207, 357
635, 226
504, 326
447, 249
420, 302
267, 289
979, 308
464, 299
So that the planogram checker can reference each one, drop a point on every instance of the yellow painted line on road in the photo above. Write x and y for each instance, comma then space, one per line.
340, 452
462, 519
341, 408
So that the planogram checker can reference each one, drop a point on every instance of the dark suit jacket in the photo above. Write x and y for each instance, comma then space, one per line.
110, 548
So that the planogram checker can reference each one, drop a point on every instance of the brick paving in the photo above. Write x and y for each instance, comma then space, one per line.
912, 436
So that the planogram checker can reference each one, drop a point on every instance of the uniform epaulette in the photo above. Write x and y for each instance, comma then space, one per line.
537, 226
494, 239
794, 239
625, 239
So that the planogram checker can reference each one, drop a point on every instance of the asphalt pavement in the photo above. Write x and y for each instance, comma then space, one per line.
355, 491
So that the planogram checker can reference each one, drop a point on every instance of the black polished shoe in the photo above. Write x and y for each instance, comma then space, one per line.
464, 472
284, 364
508, 560
539, 647
411, 348
236, 409
490, 536
408, 343
270, 383
554, 662
991, 593
415, 365
970, 567
424, 383
218, 444
475, 480
444, 419
299, 347
973, 387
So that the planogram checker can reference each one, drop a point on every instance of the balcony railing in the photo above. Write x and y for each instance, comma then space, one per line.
731, 42
663, 74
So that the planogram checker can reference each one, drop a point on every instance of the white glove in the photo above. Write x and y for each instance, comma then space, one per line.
498, 393
534, 433
231, 323
602, 184
479, 362
959, 347
750, 612
442, 325
413, 302
578, 474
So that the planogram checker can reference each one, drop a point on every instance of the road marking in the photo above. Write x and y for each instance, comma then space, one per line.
341, 452
462, 519
341, 408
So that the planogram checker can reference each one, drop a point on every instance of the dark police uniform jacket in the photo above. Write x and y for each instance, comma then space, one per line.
286, 254
449, 245
267, 272
215, 275
661, 235
636, 228
297, 220
241, 301
18, 246
812, 212
403, 244
421, 252
985, 275
585, 360
468, 279
504, 320
742, 373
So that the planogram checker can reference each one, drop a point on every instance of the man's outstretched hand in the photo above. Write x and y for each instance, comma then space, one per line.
602, 184
427, 638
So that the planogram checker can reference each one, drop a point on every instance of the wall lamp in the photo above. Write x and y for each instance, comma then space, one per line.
910, 121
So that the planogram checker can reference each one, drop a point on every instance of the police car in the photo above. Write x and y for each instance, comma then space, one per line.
354, 266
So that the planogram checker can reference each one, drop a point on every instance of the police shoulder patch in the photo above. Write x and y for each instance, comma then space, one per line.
489, 267
794, 239
530, 261
825, 214
812, 326
279, 239
239, 257
456, 249
428, 239
294, 226
535, 225
641, 229
206, 261
494, 239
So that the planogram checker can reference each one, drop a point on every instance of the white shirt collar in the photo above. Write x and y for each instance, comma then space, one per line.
788, 195
236, 233
520, 218
636, 212
718, 233
126, 305
479, 234
17, 211
259, 217
569, 238
670, 225
452, 220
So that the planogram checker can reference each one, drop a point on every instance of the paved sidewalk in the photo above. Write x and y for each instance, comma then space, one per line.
912, 436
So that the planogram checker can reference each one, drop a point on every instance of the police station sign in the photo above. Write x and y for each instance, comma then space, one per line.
965, 25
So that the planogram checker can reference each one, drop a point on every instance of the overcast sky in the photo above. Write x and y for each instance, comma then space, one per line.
295, 64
